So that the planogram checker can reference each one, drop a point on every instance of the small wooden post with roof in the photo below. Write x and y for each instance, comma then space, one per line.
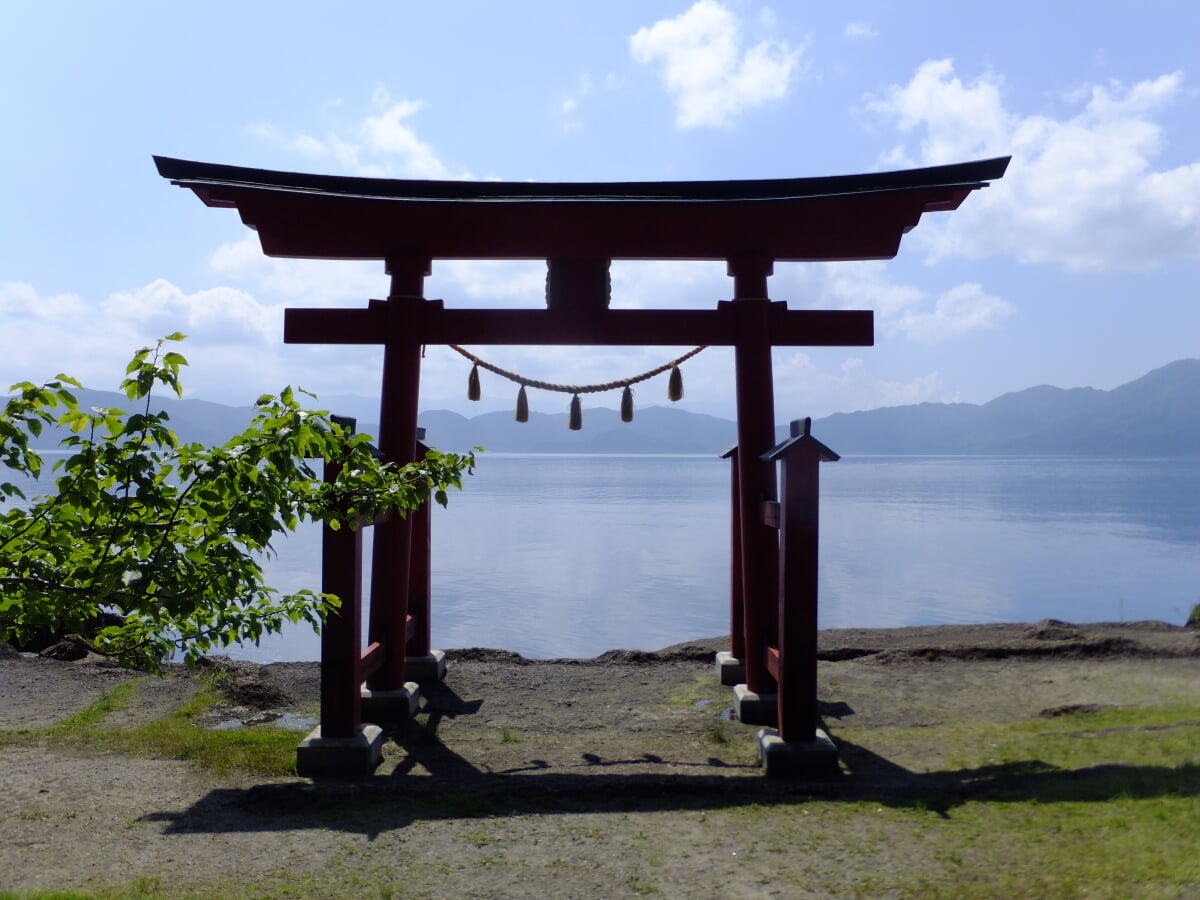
578, 229
797, 746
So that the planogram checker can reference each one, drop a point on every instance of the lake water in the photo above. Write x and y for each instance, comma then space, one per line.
558, 555
561, 555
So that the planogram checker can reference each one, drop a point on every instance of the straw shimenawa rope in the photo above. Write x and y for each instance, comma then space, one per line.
575, 420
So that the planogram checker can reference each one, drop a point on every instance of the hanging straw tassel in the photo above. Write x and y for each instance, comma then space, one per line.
575, 419
473, 392
522, 405
627, 404
675, 385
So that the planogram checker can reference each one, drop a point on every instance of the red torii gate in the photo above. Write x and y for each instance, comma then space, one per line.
579, 228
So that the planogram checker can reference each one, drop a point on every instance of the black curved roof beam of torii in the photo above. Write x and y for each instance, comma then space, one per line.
848, 217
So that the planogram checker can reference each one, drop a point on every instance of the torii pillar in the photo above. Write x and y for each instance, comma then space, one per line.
755, 479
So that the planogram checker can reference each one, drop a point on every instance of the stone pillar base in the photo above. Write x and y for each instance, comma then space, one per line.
817, 758
427, 669
391, 706
359, 754
755, 709
730, 669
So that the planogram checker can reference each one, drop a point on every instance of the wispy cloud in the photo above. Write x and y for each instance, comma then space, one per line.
383, 143
805, 388
901, 310
959, 311
859, 31
705, 68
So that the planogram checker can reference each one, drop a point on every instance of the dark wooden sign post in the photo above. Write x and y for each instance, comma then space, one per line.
579, 229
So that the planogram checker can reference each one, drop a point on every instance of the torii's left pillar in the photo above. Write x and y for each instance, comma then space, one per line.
388, 695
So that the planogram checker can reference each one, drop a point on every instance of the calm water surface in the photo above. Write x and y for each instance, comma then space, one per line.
558, 555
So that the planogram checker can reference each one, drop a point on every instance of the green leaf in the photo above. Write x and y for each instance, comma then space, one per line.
174, 538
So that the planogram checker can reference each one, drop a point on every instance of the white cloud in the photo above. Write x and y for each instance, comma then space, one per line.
220, 315
960, 121
668, 284
383, 144
1081, 190
388, 137
961, 310
300, 281
20, 301
707, 72
226, 327
859, 30
802, 388
859, 285
569, 105
308, 145
510, 283
901, 310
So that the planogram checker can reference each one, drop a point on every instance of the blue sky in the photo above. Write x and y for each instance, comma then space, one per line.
1079, 268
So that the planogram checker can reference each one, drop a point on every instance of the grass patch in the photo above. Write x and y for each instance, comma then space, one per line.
117, 698
701, 687
1115, 849
1101, 804
257, 751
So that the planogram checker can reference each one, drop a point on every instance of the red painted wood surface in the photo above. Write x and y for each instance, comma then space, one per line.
737, 606
392, 548
326, 217
773, 662
341, 672
819, 229
370, 661
796, 607
420, 611
755, 402
434, 324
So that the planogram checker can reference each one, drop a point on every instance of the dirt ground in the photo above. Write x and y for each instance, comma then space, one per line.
527, 778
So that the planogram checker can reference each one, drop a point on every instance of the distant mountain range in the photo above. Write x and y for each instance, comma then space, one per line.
1156, 415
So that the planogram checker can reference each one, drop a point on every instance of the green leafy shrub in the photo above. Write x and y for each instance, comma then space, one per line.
170, 535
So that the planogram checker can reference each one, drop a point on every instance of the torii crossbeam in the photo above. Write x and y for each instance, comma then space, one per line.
579, 229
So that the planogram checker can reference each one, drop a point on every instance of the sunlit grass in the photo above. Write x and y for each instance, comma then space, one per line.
256, 751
